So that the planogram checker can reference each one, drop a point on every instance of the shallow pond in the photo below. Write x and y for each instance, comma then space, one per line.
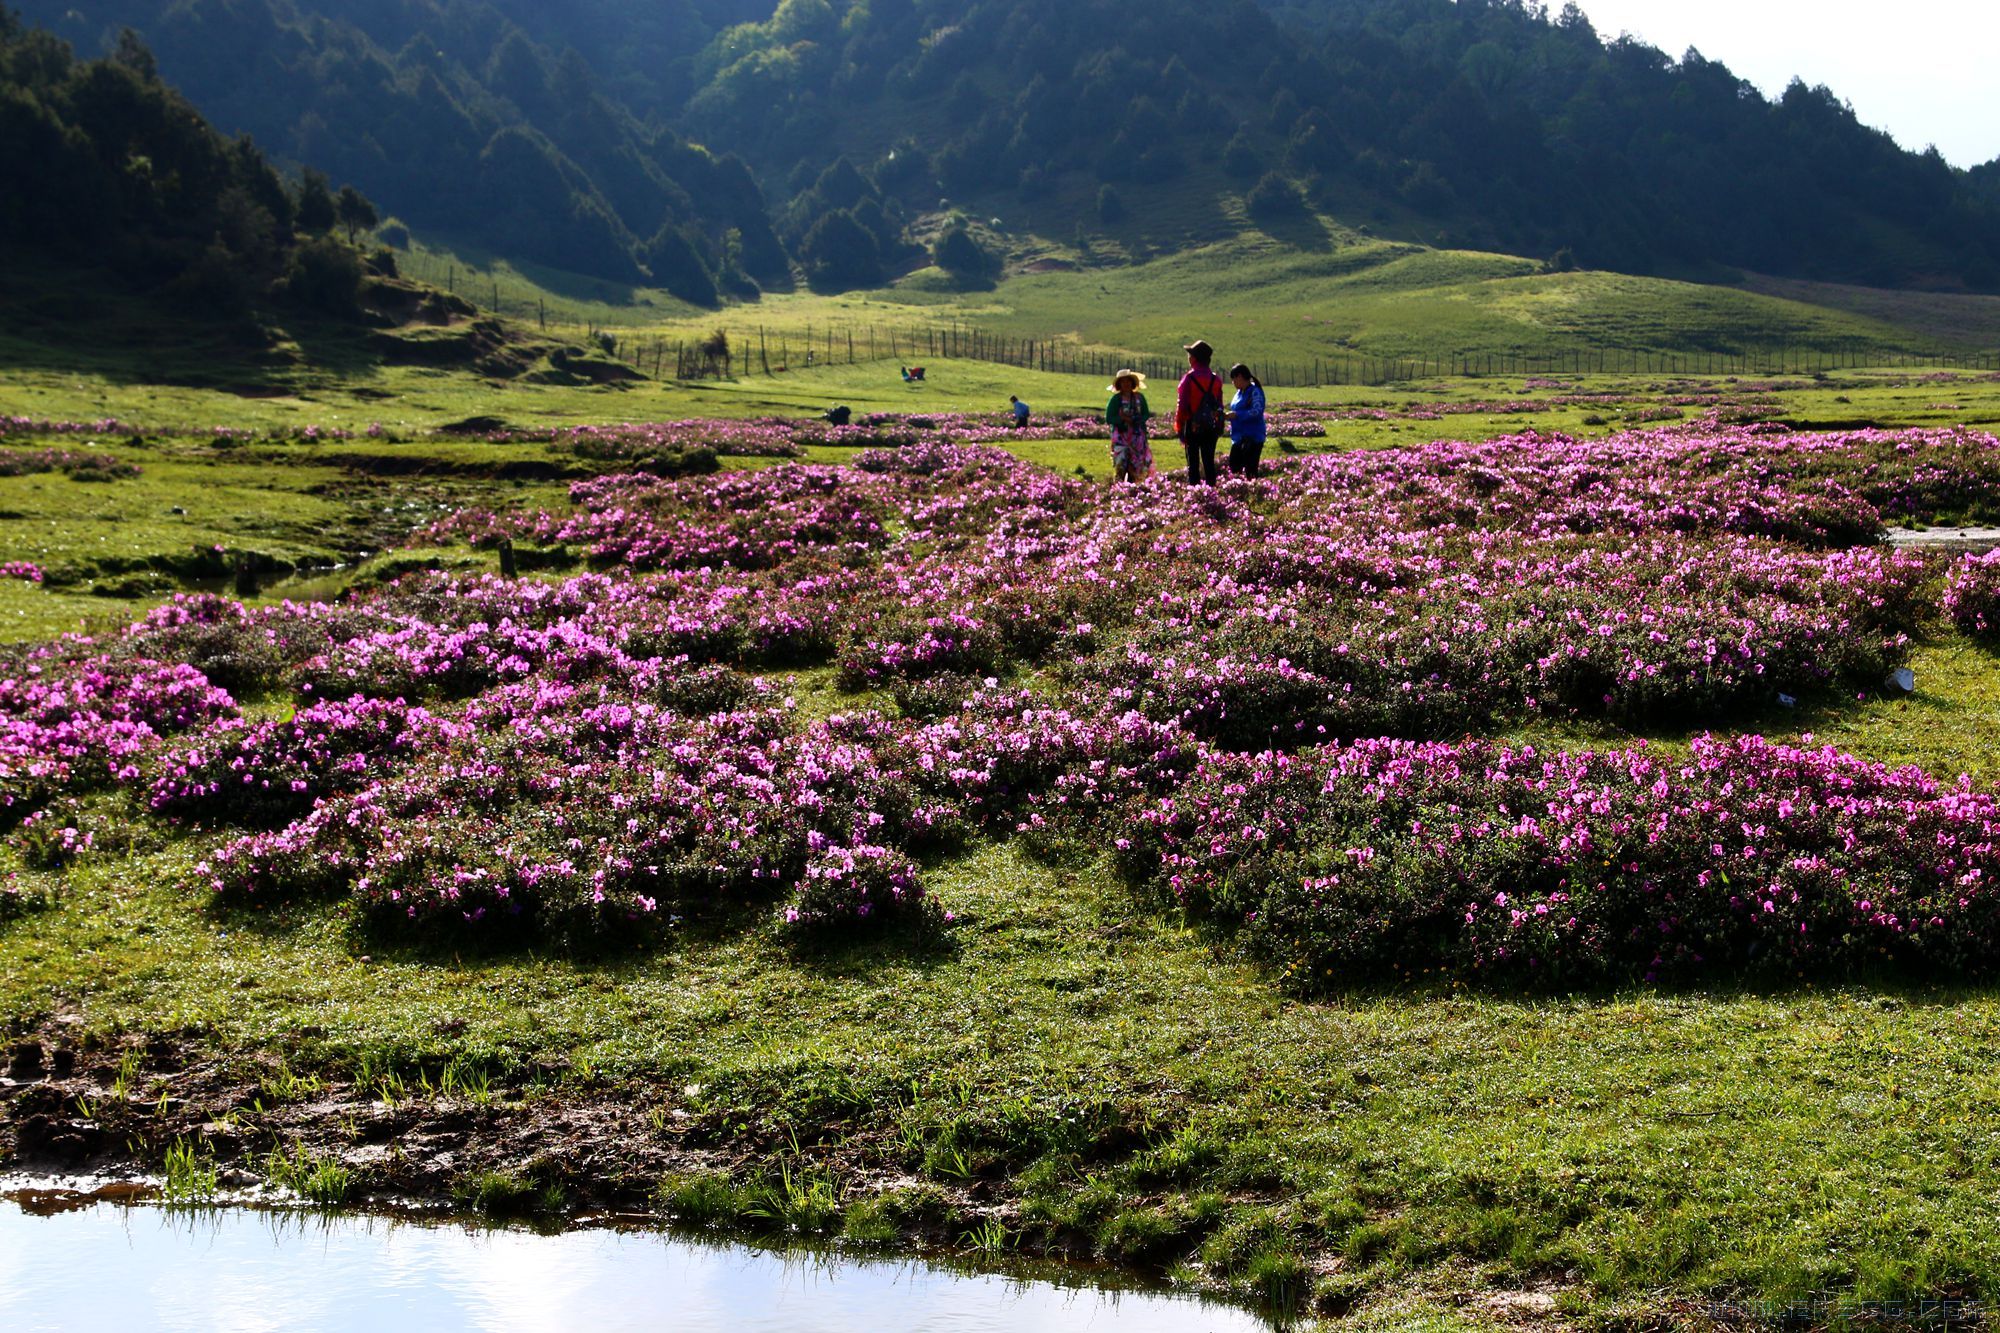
109, 1266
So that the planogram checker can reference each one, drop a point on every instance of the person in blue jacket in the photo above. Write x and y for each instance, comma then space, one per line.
1246, 421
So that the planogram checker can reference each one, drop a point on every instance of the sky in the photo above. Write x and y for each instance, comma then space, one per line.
1927, 71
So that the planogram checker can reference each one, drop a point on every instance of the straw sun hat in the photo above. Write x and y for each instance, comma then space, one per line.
1139, 385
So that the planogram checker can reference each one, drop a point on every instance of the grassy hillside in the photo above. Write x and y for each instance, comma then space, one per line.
521, 289
1270, 300
419, 399
1945, 317
1320, 292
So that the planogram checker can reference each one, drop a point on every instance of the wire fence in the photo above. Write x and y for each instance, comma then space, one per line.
766, 353
746, 349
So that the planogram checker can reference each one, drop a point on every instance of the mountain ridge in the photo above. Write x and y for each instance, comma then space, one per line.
701, 143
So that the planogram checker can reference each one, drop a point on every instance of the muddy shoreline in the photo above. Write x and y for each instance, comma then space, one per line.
115, 1110
90, 1123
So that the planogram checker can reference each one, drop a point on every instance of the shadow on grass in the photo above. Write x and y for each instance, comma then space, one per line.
1886, 991
480, 263
920, 942
88, 321
849, 952
1302, 231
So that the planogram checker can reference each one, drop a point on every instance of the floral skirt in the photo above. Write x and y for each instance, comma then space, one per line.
1131, 453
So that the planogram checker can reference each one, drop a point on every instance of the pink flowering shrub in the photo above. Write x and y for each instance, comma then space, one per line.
271, 772
1972, 595
570, 823
50, 839
240, 649
21, 896
1652, 631
23, 425
76, 464
922, 646
856, 885
1389, 858
73, 721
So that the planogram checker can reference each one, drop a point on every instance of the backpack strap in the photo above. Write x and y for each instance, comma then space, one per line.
1202, 391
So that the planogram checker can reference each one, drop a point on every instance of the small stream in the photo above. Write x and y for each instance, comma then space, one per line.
110, 1266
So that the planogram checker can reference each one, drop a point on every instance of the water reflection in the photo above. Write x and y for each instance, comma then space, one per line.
243, 1270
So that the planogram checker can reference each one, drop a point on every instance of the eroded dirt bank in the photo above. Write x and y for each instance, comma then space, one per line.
537, 1148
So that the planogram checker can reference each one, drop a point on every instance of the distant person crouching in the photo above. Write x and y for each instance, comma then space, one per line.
1019, 411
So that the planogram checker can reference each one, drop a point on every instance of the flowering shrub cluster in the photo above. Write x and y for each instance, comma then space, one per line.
1256, 692
271, 772
1393, 857
573, 811
1816, 490
46, 840
21, 425
25, 570
71, 719
786, 437
78, 464
1972, 595
765, 437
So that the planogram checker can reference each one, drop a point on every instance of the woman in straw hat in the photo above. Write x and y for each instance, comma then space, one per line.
1127, 415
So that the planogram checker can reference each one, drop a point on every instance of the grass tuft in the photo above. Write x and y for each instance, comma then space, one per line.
191, 1174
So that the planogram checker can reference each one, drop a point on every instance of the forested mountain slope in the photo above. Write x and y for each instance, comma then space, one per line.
108, 168
566, 133
460, 123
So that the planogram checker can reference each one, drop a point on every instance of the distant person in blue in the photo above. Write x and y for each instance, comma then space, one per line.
1246, 421
1019, 410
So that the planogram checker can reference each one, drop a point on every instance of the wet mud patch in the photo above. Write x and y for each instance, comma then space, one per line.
114, 1113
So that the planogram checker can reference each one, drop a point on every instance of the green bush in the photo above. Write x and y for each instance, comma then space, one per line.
958, 252
325, 275
1275, 198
